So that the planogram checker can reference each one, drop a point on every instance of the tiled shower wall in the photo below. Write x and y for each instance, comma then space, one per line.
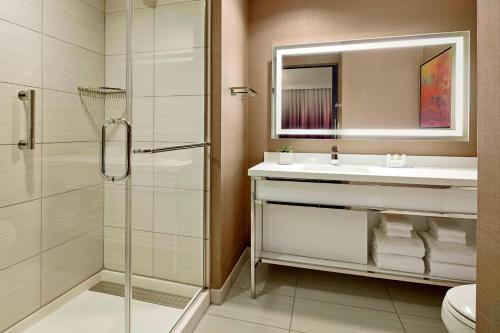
168, 188
51, 198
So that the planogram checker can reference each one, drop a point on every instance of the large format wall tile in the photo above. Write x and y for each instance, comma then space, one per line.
142, 250
66, 67
178, 258
20, 174
142, 207
98, 4
179, 26
27, 13
143, 73
143, 31
19, 292
65, 120
179, 118
69, 166
68, 215
19, 232
76, 22
178, 212
20, 56
65, 266
179, 169
180, 72
13, 124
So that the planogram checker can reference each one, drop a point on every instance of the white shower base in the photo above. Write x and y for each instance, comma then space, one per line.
93, 312
84, 311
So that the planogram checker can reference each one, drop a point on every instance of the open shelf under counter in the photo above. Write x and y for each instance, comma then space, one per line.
368, 270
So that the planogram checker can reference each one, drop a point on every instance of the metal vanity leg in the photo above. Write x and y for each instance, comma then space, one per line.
253, 293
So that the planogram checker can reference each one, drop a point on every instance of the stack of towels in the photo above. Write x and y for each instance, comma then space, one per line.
448, 255
396, 246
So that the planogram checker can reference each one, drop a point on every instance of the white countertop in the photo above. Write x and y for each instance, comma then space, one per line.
421, 170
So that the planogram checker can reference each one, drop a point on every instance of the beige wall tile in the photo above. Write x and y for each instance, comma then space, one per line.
66, 67
178, 212
142, 163
179, 26
20, 291
20, 56
118, 5
66, 265
142, 207
142, 124
69, 166
65, 120
20, 174
178, 258
19, 232
143, 73
179, 72
179, 169
69, 215
99, 4
179, 118
27, 13
13, 124
76, 22
142, 250
143, 31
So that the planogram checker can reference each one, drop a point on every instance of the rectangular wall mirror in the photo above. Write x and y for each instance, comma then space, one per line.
408, 87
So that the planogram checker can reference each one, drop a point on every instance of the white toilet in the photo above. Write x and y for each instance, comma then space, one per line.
459, 309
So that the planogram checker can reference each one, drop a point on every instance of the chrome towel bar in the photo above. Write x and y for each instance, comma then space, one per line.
171, 148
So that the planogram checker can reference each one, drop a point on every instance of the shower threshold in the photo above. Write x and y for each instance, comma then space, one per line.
97, 306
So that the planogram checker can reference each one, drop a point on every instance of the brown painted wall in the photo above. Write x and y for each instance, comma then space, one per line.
274, 22
230, 191
488, 292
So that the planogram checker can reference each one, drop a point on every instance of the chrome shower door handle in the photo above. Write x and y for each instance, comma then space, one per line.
28, 98
128, 147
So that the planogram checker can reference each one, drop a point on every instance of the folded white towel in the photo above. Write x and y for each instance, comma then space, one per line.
399, 263
448, 238
413, 247
446, 227
451, 253
451, 271
395, 232
395, 222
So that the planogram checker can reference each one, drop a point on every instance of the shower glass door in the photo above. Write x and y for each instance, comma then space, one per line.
155, 219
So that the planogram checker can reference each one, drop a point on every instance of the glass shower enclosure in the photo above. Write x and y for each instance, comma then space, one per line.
104, 166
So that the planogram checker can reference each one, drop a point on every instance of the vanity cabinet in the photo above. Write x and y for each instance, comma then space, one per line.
323, 219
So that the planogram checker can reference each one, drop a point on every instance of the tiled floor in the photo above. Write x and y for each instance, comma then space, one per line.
296, 300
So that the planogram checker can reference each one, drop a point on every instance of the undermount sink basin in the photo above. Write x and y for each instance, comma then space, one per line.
336, 168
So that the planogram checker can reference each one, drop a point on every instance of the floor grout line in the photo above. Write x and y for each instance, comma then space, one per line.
294, 295
393, 305
244, 321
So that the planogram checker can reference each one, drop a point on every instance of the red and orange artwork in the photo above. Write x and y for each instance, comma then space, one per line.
435, 91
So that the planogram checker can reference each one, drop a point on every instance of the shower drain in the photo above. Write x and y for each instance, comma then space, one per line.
141, 294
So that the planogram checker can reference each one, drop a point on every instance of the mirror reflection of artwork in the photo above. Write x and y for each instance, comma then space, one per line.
435, 91
308, 97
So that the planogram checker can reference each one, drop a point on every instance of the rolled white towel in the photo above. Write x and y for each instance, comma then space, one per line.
450, 253
395, 262
445, 227
395, 232
413, 246
395, 222
451, 271
448, 238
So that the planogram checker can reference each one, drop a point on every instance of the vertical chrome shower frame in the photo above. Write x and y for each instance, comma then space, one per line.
128, 185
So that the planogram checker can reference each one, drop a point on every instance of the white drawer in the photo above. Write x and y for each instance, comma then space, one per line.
326, 233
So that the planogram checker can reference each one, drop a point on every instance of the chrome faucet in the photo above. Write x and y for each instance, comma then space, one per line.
335, 155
